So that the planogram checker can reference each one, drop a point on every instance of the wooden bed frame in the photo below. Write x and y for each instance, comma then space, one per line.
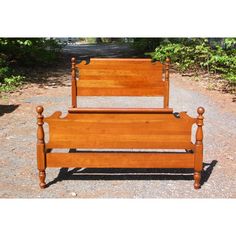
120, 137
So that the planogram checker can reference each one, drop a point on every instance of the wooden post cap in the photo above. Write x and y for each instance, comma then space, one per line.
168, 60
39, 109
200, 110
72, 60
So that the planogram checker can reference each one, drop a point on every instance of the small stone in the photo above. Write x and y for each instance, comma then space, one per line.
73, 194
230, 158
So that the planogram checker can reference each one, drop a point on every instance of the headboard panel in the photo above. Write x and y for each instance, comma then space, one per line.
120, 77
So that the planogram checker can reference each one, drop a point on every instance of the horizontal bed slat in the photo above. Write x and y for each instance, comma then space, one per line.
124, 91
124, 83
141, 77
96, 110
121, 160
119, 73
120, 145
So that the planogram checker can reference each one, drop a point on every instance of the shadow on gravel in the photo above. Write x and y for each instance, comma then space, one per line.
50, 77
7, 109
207, 170
132, 174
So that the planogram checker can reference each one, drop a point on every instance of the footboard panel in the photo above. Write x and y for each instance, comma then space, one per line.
120, 131
121, 160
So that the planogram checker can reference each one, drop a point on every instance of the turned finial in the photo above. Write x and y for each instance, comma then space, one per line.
73, 61
40, 131
39, 110
200, 111
199, 122
200, 117
167, 65
168, 60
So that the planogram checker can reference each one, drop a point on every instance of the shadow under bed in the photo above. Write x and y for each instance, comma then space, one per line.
132, 173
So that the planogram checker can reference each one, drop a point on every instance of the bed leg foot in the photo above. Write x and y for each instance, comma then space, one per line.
197, 178
42, 177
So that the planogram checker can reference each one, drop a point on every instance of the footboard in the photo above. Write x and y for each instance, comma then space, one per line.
120, 138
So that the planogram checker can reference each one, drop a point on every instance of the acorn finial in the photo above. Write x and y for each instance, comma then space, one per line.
72, 60
168, 60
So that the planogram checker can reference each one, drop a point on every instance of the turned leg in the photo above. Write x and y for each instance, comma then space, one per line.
42, 177
197, 179
41, 155
198, 156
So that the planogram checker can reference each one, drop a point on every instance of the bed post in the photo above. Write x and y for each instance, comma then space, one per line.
41, 158
198, 158
73, 82
167, 75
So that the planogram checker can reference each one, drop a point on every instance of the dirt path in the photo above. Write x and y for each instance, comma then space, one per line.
18, 174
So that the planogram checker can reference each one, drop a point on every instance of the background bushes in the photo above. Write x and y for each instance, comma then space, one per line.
196, 55
200, 54
24, 52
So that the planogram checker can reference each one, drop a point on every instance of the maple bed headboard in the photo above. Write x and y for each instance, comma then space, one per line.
120, 77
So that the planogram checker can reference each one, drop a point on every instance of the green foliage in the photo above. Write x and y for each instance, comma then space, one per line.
214, 56
11, 83
31, 52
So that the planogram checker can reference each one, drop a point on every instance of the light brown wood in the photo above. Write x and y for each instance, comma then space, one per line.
120, 87
198, 148
111, 130
122, 77
73, 82
119, 74
167, 75
41, 158
105, 128
121, 160
120, 128
121, 63
122, 91
120, 110
125, 84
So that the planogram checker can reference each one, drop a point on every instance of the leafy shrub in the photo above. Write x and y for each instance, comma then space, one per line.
24, 52
213, 56
30, 51
11, 83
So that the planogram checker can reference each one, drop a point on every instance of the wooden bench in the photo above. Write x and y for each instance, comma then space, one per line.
141, 137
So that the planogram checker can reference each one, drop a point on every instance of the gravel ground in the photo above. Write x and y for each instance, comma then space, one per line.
18, 173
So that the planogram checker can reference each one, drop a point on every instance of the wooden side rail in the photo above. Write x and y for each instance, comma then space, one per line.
120, 77
120, 129
120, 110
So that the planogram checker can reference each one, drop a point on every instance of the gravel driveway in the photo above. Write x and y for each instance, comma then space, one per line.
18, 172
